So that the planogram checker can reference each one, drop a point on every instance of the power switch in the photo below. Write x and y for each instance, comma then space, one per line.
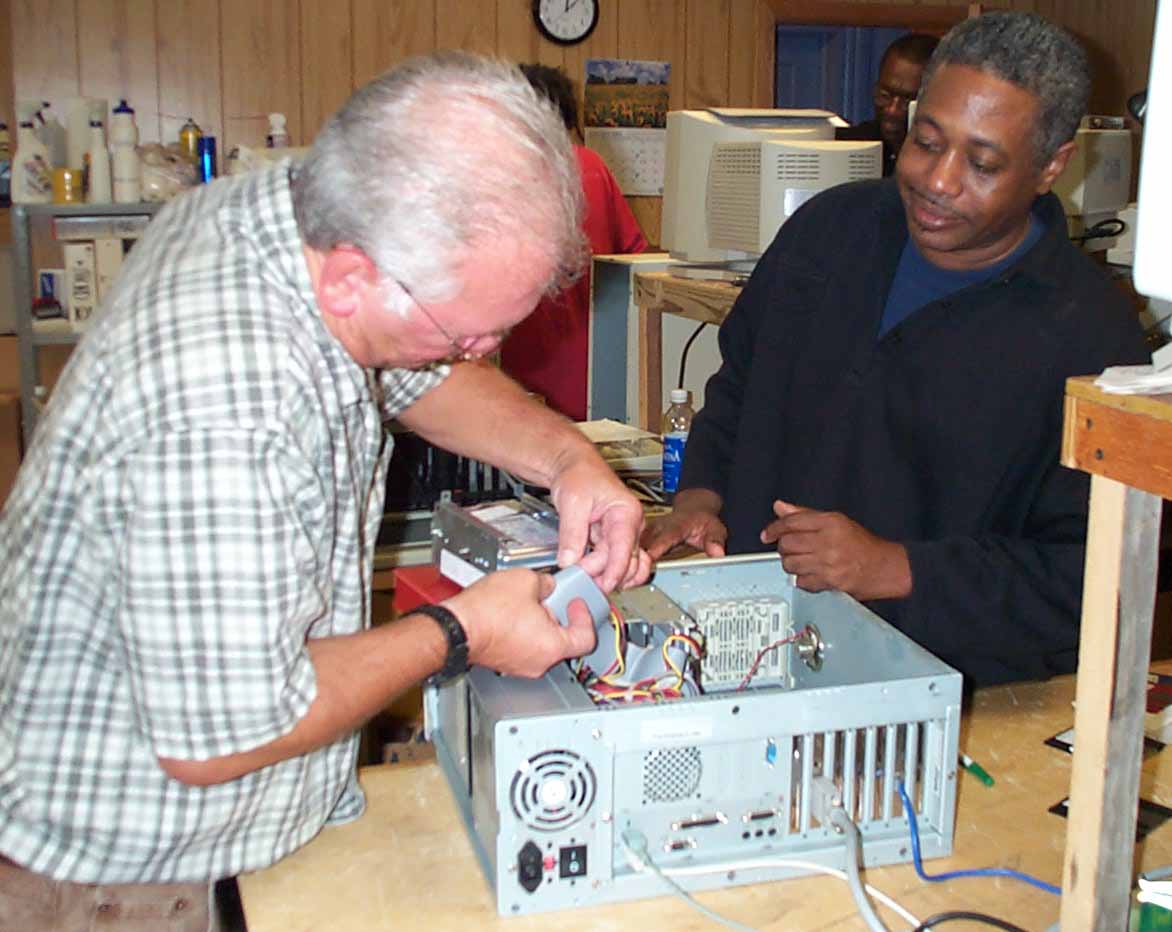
572, 861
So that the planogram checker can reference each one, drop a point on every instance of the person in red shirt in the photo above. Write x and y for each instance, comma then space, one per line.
549, 351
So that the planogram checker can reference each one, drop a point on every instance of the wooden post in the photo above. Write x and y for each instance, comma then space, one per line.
1118, 600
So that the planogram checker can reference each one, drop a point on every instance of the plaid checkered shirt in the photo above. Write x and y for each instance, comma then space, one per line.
201, 497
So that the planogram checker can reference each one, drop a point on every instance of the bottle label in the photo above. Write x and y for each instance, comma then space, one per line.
673, 459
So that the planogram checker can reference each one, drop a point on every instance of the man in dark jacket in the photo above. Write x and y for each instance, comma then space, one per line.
900, 71
888, 412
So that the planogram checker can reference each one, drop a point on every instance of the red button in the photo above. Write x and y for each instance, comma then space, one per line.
549, 863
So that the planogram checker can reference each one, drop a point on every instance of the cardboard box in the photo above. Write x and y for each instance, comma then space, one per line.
81, 283
10, 443
107, 262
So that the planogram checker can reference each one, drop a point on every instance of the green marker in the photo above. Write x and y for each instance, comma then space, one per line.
976, 769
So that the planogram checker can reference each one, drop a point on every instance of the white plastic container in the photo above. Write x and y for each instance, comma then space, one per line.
32, 171
278, 137
52, 133
100, 182
125, 167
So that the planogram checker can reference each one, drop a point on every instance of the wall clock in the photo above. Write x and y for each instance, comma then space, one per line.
565, 21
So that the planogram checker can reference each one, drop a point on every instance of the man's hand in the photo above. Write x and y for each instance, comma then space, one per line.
827, 550
510, 631
593, 505
692, 521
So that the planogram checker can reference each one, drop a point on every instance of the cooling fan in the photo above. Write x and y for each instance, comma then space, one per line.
553, 790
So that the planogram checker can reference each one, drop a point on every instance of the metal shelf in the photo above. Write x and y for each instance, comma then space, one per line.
32, 334
54, 333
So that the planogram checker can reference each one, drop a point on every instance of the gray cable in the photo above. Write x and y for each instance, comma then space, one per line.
635, 844
840, 820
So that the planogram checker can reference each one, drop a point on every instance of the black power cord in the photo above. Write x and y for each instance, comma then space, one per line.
961, 915
684, 354
1112, 226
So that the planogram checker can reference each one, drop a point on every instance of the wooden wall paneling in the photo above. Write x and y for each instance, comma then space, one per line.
763, 90
386, 32
189, 54
932, 17
326, 62
706, 62
517, 38
468, 26
261, 69
117, 58
7, 97
44, 49
654, 30
750, 54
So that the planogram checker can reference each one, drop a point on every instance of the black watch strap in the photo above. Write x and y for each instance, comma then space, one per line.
456, 661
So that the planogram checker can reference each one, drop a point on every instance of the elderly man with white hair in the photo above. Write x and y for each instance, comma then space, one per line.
185, 562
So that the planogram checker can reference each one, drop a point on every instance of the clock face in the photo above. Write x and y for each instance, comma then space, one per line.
566, 21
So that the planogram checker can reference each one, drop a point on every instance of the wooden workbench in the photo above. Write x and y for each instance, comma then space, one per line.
1125, 443
659, 293
406, 864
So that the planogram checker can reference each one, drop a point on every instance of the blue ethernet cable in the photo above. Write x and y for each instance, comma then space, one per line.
952, 875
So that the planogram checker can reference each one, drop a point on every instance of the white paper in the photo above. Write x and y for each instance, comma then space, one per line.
634, 156
1135, 380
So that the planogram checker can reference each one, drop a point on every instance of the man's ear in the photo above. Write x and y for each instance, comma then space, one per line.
1054, 167
345, 278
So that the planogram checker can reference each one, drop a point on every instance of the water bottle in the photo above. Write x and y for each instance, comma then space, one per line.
125, 166
100, 190
677, 421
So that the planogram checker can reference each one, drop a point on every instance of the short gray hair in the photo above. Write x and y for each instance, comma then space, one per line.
439, 155
1029, 51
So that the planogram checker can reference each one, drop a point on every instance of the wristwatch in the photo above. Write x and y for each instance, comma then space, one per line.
456, 662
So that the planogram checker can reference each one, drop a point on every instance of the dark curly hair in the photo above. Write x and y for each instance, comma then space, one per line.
1031, 52
557, 87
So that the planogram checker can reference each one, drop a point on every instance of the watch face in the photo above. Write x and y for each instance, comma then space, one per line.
566, 21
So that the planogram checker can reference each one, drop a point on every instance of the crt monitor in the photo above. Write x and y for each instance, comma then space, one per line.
1096, 183
691, 136
1153, 233
755, 187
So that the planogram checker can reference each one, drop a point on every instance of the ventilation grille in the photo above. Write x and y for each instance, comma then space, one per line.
799, 166
733, 198
735, 632
862, 165
866, 765
671, 774
553, 790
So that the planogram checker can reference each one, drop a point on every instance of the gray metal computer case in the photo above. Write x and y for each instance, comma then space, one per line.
548, 782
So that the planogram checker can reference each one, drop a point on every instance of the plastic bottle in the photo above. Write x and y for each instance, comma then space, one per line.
32, 173
278, 137
98, 157
189, 137
677, 422
124, 164
52, 134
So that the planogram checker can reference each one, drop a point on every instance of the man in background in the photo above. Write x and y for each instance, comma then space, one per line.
549, 351
185, 561
888, 411
898, 83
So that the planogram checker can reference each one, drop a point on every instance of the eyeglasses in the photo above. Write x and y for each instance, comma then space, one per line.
462, 347
885, 97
